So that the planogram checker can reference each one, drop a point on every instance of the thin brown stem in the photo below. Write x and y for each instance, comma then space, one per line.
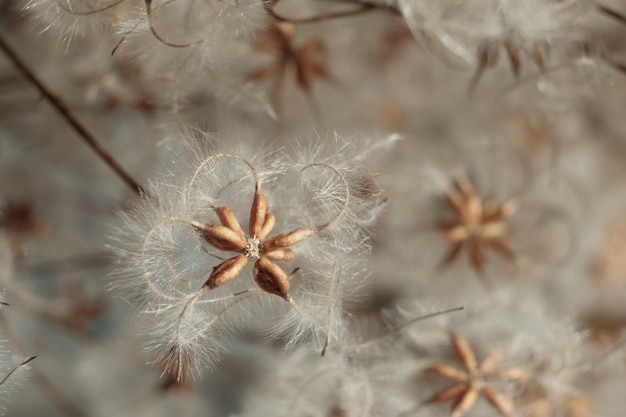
16, 367
399, 328
620, 17
123, 38
618, 66
65, 112
62, 402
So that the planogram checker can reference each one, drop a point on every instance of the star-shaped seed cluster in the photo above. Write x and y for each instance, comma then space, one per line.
477, 224
474, 379
306, 60
230, 237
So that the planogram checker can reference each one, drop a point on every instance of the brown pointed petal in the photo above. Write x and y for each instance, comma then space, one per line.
287, 239
490, 361
494, 230
508, 374
465, 186
541, 49
452, 254
466, 402
222, 237
509, 207
259, 74
228, 219
444, 225
280, 255
271, 278
257, 214
226, 271
286, 30
455, 202
268, 225
498, 401
491, 212
541, 407
579, 406
304, 75
271, 43
488, 55
319, 69
313, 45
448, 372
473, 209
449, 393
457, 234
463, 352
514, 57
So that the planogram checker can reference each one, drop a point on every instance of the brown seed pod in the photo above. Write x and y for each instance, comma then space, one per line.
271, 278
226, 271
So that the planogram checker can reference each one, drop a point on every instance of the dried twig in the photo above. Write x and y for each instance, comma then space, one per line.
62, 402
16, 367
620, 17
65, 112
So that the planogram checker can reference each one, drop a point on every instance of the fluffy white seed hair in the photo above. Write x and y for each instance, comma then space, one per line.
164, 260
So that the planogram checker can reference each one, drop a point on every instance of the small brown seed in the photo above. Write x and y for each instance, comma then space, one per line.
271, 278
280, 255
222, 237
228, 219
258, 213
287, 239
226, 271
270, 222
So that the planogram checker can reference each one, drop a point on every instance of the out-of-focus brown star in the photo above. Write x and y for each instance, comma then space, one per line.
306, 59
473, 380
477, 224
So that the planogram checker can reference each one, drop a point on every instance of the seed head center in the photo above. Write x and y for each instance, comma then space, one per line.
252, 249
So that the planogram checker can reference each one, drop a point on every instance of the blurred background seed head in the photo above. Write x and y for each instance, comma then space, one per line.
410, 101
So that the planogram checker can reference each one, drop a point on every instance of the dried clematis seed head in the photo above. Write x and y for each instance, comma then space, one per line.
194, 227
